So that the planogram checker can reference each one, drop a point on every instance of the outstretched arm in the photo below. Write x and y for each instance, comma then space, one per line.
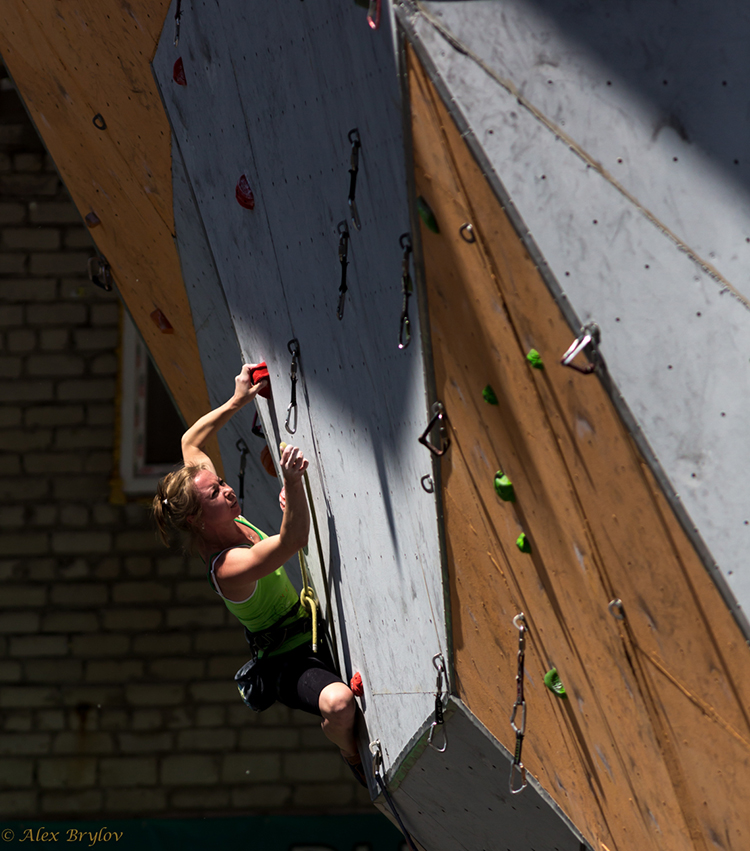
196, 437
237, 570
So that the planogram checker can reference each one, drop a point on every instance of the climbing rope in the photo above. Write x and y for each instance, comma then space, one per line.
407, 288
343, 259
293, 346
517, 768
307, 595
377, 762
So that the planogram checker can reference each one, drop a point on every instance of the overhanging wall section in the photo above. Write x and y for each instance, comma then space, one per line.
272, 94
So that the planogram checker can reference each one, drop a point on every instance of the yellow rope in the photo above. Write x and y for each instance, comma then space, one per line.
307, 595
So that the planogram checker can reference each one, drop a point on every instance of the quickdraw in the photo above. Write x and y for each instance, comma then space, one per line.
407, 288
177, 16
244, 449
588, 342
517, 769
353, 171
293, 347
439, 664
343, 259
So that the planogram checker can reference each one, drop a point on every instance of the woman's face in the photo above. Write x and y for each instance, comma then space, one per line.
218, 502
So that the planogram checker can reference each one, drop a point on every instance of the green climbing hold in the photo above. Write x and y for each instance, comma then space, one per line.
488, 394
426, 214
535, 359
522, 542
504, 487
554, 683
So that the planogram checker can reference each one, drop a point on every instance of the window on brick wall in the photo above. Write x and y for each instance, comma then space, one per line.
151, 426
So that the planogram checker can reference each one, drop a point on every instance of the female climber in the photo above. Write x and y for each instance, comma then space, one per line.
246, 569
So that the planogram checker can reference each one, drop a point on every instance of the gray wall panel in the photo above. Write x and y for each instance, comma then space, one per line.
676, 341
220, 352
272, 93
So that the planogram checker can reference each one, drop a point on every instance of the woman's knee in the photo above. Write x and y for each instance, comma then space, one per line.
336, 704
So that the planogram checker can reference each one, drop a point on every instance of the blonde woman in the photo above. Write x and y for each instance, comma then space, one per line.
246, 569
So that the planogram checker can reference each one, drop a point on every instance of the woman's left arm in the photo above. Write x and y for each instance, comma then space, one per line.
196, 437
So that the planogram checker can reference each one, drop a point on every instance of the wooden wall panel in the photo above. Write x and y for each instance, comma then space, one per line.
70, 62
649, 748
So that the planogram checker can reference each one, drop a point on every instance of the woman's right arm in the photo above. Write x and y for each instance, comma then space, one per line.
239, 569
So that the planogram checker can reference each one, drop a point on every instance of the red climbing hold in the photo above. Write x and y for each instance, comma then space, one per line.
258, 373
244, 194
355, 684
178, 73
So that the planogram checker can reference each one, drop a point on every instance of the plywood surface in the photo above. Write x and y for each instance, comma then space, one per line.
70, 62
626, 187
649, 749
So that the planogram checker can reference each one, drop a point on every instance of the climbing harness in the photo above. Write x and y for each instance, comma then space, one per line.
343, 259
587, 341
373, 14
99, 272
517, 769
438, 418
177, 16
353, 171
407, 288
377, 762
293, 347
439, 664
244, 449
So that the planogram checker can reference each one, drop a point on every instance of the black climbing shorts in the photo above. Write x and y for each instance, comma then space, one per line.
301, 676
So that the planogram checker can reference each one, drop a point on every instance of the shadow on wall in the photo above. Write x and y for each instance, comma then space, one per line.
686, 58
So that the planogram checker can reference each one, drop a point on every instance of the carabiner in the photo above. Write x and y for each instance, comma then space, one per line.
293, 347
588, 341
373, 14
517, 768
438, 416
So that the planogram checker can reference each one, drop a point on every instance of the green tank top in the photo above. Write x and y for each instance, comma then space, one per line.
274, 597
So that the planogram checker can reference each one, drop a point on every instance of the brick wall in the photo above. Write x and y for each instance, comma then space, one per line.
116, 690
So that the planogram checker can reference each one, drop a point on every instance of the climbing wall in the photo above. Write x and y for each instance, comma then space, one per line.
262, 118
648, 748
74, 65
625, 160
